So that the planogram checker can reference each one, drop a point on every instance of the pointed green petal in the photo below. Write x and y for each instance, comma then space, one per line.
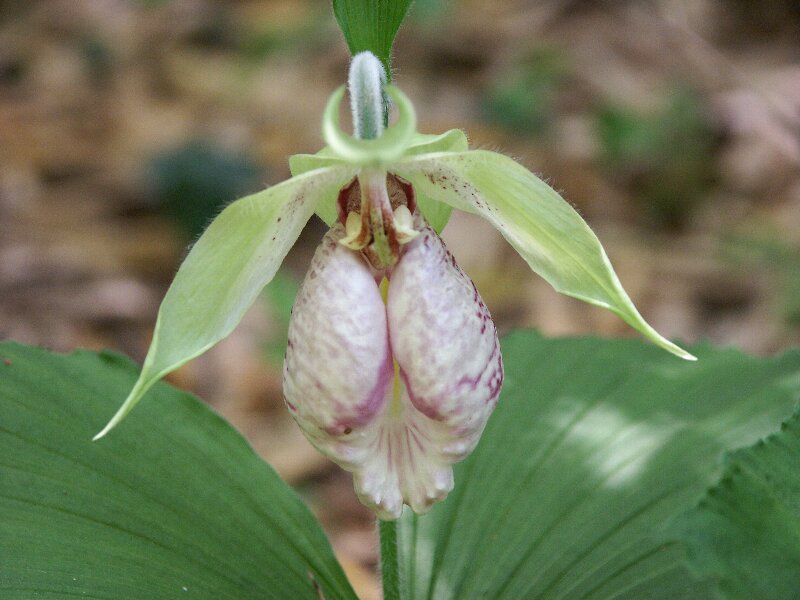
224, 272
546, 231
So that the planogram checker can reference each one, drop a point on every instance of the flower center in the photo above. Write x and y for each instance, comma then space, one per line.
376, 209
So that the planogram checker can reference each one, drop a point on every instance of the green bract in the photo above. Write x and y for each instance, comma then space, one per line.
244, 246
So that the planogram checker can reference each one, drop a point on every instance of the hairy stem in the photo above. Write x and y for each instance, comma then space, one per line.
368, 101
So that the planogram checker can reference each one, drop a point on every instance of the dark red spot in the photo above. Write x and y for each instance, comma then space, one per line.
7, 362
348, 430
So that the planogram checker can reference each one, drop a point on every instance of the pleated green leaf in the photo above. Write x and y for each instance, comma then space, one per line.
595, 446
547, 232
371, 25
745, 532
175, 504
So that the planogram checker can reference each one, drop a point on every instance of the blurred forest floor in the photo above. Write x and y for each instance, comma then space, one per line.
672, 125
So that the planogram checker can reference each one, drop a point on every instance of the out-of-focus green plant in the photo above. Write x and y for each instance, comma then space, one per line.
193, 182
261, 39
99, 58
524, 101
152, 3
427, 11
770, 251
665, 158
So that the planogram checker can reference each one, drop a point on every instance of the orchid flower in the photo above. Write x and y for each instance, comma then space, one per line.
393, 365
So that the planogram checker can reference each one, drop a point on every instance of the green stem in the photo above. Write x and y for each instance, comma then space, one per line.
390, 560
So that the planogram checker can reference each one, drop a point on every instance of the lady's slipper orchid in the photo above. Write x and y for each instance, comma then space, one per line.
393, 365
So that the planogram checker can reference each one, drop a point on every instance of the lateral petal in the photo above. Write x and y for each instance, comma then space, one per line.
226, 269
547, 232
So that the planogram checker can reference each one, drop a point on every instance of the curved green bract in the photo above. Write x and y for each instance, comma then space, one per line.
745, 532
225, 271
377, 152
174, 505
594, 449
547, 232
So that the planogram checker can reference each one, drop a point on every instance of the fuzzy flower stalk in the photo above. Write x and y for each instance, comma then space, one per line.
393, 366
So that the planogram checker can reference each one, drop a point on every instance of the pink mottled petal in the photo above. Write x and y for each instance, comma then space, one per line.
338, 363
444, 340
